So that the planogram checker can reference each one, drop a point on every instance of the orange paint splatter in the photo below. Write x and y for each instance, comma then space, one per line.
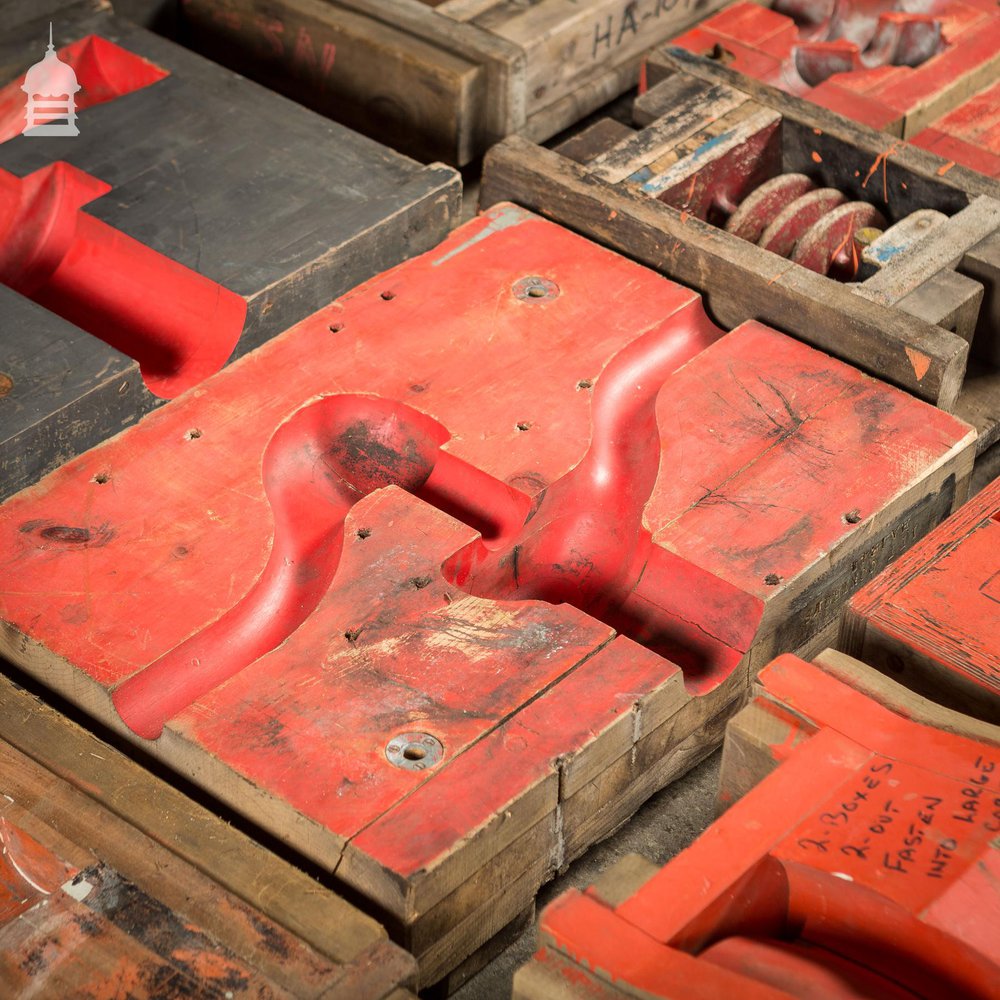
817, 131
880, 161
943, 170
613, 215
816, 158
919, 361
684, 216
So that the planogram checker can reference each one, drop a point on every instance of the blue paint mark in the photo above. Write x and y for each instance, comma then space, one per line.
887, 251
642, 174
662, 181
501, 217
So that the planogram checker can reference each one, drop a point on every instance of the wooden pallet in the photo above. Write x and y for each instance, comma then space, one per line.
932, 619
460, 687
860, 859
896, 324
112, 881
189, 247
441, 80
896, 88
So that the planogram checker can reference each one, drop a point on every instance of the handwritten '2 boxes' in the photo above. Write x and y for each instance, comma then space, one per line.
865, 865
439, 585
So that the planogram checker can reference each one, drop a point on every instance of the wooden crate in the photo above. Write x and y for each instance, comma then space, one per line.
860, 860
896, 324
459, 686
932, 619
870, 71
177, 241
441, 80
112, 881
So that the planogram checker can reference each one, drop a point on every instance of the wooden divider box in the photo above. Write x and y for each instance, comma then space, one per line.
860, 859
444, 582
441, 80
113, 883
932, 619
714, 144
194, 216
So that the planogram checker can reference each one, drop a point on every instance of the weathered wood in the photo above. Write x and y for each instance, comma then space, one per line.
149, 888
932, 619
187, 183
901, 98
557, 713
860, 837
441, 81
693, 154
740, 281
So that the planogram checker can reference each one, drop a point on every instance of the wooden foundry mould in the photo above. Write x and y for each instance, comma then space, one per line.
895, 65
441, 80
708, 139
114, 883
194, 216
441, 584
932, 619
861, 860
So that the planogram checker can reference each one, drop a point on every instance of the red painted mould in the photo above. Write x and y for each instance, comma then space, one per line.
898, 57
865, 865
104, 71
430, 507
180, 326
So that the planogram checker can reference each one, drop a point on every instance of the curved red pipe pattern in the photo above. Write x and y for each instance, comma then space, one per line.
179, 325
582, 542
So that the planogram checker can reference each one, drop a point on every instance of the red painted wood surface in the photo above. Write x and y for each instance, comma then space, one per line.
179, 325
870, 852
864, 72
970, 134
934, 615
430, 507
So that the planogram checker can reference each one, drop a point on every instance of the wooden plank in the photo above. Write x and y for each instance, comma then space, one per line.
191, 217
410, 623
808, 305
441, 81
594, 140
150, 887
854, 789
931, 618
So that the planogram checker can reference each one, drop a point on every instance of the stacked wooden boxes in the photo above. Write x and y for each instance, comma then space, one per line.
140, 255
466, 555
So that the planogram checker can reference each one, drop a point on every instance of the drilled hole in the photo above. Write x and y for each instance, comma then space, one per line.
584, 383
364, 533
414, 753
336, 327
388, 296
772, 579
101, 478
193, 434
523, 426
351, 635
852, 517
536, 292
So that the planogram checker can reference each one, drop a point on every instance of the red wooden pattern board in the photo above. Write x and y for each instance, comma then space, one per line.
933, 617
969, 134
873, 845
520, 346
762, 43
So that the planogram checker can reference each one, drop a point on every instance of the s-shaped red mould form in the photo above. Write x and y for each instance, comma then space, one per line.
180, 326
582, 542
441, 583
